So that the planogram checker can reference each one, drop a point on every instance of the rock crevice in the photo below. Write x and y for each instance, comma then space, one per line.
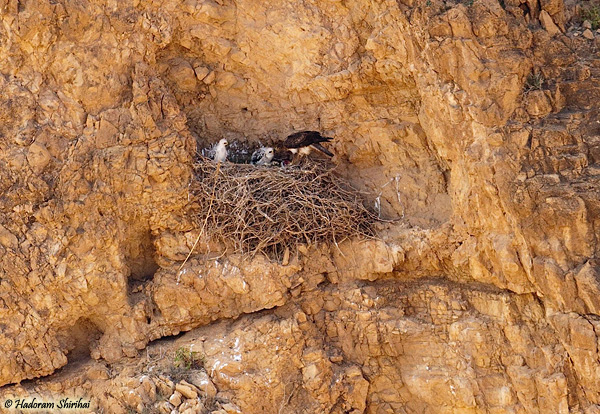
475, 122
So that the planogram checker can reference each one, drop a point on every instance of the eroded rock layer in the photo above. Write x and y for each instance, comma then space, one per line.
472, 124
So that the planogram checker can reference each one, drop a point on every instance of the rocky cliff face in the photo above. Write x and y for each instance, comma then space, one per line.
476, 122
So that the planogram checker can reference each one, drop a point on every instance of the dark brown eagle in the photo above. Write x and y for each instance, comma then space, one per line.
302, 142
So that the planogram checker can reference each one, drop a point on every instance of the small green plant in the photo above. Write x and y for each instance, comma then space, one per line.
188, 359
593, 15
535, 81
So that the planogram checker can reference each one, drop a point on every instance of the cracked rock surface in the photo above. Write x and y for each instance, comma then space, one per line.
473, 126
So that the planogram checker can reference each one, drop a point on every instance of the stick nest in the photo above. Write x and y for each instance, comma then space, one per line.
270, 209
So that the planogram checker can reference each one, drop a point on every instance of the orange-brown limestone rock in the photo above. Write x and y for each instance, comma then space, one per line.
471, 128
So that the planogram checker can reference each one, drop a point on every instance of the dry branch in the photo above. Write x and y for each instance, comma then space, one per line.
268, 209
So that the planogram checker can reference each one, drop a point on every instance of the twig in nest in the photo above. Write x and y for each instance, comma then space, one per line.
266, 209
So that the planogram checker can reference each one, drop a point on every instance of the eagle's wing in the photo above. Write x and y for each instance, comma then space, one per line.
322, 149
208, 152
256, 156
301, 139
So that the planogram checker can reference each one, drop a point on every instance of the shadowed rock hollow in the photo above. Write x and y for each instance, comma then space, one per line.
475, 121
